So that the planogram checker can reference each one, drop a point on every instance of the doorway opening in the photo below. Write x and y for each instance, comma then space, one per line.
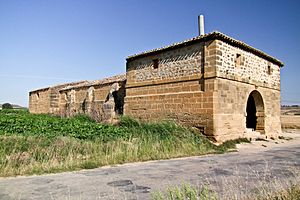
255, 118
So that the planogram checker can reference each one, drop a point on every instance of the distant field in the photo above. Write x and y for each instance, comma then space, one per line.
290, 121
290, 110
290, 117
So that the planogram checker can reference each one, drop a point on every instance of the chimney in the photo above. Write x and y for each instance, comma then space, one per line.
201, 24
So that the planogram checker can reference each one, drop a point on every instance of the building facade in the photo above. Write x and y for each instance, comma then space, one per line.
214, 83
102, 100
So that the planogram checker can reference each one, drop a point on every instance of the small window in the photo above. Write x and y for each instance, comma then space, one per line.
155, 64
37, 95
269, 70
238, 60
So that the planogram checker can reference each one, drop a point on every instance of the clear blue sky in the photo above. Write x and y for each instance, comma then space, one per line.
47, 42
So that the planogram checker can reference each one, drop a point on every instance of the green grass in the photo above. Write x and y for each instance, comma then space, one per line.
36, 144
15, 122
185, 192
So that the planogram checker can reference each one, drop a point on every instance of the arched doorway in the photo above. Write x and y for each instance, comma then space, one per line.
255, 118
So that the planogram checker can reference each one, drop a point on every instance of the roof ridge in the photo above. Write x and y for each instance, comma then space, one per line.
59, 85
106, 80
210, 36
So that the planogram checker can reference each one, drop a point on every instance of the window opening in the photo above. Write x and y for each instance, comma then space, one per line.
269, 70
155, 64
238, 60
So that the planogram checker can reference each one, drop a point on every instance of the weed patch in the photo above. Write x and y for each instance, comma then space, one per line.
38, 143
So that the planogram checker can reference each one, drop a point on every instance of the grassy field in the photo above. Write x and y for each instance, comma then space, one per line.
36, 144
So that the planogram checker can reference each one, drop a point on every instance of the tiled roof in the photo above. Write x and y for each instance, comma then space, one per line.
207, 37
113, 79
60, 86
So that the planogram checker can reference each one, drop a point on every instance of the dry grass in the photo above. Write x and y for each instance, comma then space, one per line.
262, 187
188, 192
21, 155
290, 121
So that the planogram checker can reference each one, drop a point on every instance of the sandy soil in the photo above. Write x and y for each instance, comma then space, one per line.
290, 136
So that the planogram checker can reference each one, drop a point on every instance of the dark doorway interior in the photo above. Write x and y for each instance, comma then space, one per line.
118, 102
119, 99
251, 119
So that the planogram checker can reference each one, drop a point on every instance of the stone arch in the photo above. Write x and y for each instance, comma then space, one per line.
255, 109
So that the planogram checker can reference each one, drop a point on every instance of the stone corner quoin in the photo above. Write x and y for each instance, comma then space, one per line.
219, 85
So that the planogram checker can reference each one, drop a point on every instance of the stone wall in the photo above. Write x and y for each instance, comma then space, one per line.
236, 64
39, 101
46, 100
175, 89
178, 63
239, 73
205, 85
230, 109
103, 101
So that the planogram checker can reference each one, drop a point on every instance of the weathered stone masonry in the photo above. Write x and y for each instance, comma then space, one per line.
212, 82
101, 99
219, 85
46, 100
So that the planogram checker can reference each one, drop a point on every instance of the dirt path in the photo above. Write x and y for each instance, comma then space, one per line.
240, 172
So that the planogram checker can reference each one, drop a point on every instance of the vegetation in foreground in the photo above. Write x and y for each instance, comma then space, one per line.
37, 143
184, 192
189, 192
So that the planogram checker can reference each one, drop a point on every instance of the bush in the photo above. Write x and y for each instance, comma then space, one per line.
7, 106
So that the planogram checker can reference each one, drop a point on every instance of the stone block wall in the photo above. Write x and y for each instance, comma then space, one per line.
82, 100
179, 88
192, 107
54, 100
230, 109
102, 102
46, 100
239, 73
39, 101
205, 85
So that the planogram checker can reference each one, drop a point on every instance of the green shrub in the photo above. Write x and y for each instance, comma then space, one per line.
7, 106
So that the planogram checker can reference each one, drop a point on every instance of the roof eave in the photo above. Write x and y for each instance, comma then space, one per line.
210, 36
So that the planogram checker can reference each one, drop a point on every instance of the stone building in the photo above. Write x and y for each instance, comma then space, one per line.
46, 100
219, 85
103, 100
100, 99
